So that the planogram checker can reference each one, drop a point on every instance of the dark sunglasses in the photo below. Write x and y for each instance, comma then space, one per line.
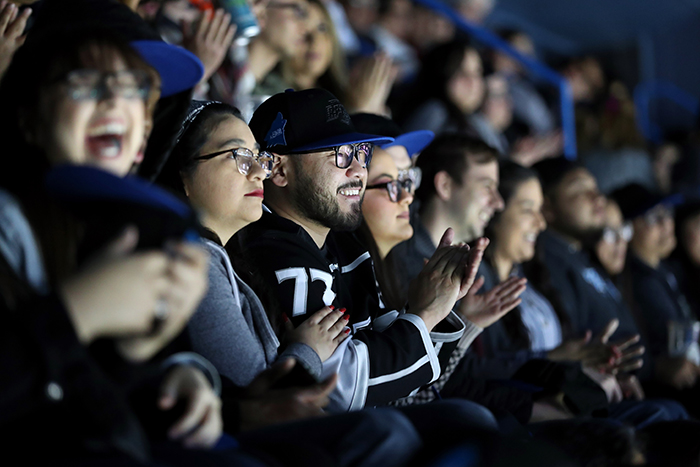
245, 158
394, 188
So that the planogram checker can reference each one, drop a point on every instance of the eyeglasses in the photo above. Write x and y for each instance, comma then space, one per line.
95, 85
624, 233
299, 11
244, 158
394, 188
414, 174
658, 215
345, 153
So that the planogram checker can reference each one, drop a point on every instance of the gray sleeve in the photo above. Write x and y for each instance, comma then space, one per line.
306, 356
220, 333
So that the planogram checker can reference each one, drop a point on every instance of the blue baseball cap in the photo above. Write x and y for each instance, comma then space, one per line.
300, 121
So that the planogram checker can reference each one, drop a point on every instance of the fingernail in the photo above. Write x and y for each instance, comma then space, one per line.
346, 317
342, 310
284, 317
331, 307
347, 331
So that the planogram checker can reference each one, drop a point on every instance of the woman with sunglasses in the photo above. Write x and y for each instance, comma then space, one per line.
216, 164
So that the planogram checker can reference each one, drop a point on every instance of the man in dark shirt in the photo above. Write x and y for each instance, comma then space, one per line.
575, 214
300, 250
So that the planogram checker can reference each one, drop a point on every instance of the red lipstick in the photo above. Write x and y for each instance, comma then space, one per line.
256, 193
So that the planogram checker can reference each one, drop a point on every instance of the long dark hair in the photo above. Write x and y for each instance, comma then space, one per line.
203, 119
36, 66
439, 66
384, 269
512, 176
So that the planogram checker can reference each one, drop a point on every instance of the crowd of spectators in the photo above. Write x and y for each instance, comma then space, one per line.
333, 232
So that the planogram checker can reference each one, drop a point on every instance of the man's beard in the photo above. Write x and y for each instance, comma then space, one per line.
322, 207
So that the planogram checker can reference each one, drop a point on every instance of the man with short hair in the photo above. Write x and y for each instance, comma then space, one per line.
299, 249
459, 190
575, 214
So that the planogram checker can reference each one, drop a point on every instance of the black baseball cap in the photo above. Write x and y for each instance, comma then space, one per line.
299, 121
636, 200
413, 141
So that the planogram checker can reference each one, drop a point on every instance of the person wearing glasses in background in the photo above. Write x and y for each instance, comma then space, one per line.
660, 304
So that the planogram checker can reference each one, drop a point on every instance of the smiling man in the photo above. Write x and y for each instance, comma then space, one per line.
459, 190
304, 253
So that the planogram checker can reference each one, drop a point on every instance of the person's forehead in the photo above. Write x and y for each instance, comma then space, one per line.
613, 215
382, 163
477, 170
577, 178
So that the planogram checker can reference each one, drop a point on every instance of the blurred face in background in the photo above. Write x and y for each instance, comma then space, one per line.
430, 29
473, 203
388, 220
654, 233
611, 249
362, 14
690, 232
466, 87
498, 107
575, 207
99, 115
285, 26
315, 56
520, 223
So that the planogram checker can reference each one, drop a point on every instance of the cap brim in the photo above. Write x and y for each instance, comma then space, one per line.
414, 141
348, 138
80, 184
179, 69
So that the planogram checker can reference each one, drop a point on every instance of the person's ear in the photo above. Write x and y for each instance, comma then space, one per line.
443, 185
281, 171
185, 183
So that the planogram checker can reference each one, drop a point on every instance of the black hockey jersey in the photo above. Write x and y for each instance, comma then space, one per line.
391, 353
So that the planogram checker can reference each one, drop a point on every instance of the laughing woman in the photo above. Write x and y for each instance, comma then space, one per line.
218, 167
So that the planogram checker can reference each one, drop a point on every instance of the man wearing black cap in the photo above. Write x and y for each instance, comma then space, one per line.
315, 192
662, 307
575, 214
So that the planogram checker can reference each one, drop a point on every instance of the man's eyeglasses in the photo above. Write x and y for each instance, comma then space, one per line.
414, 174
299, 11
624, 233
345, 153
245, 158
95, 85
394, 188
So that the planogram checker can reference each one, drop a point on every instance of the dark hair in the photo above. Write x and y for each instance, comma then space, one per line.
196, 130
552, 171
190, 142
439, 67
511, 177
36, 66
451, 153
385, 270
